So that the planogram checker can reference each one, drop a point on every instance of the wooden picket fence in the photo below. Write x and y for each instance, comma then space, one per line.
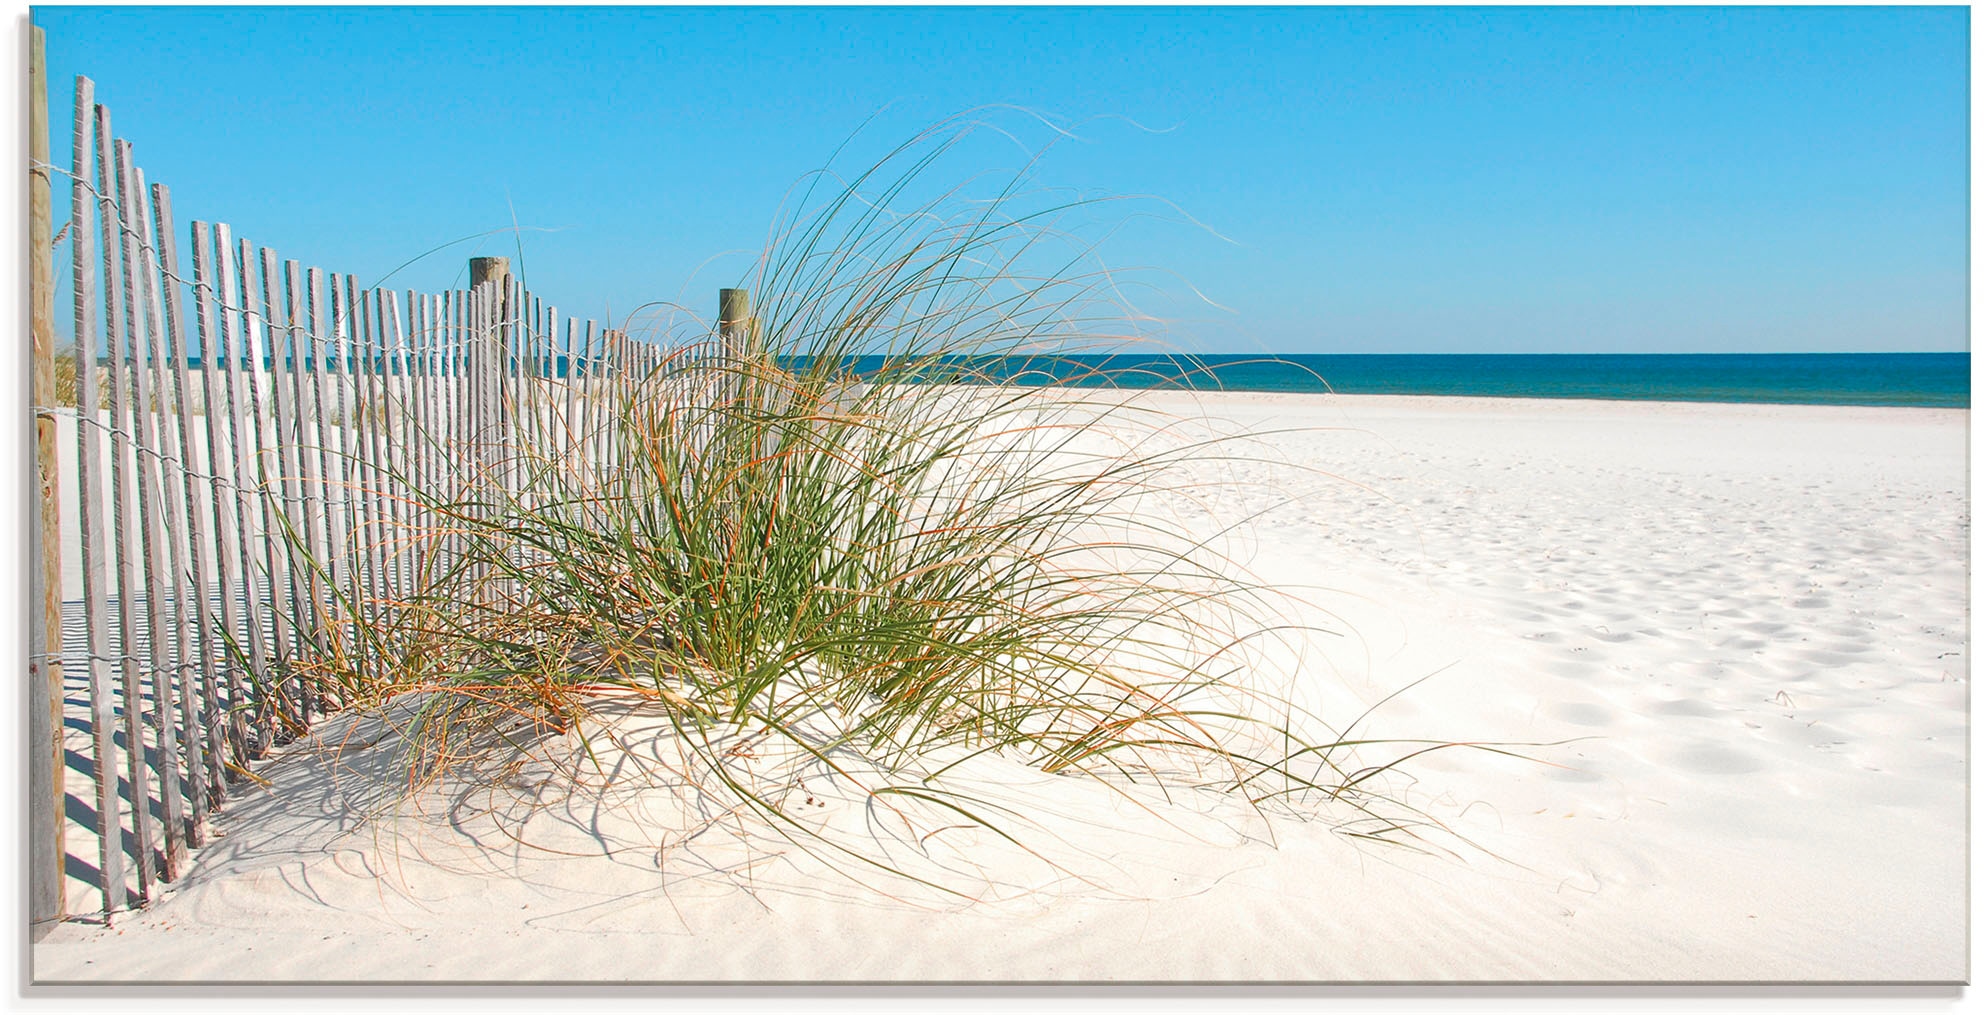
260, 450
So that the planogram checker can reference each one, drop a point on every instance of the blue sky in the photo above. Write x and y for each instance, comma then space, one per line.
1328, 179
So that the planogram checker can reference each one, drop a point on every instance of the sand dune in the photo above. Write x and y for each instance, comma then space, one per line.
1741, 630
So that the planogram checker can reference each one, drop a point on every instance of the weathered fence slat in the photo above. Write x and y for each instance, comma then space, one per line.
388, 445
348, 497
123, 454
451, 310
151, 523
568, 438
170, 684
410, 451
90, 521
299, 487
196, 647
330, 488
393, 439
542, 377
224, 503
245, 439
587, 397
267, 477
426, 444
441, 429
523, 384
368, 414
439, 462
306, 494
286, 506
371, 404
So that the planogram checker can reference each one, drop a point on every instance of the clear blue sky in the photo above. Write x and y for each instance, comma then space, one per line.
1367, 180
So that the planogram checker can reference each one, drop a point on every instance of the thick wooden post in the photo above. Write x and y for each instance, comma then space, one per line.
733, 329
733, 319
47, 894
489, 269
494, 352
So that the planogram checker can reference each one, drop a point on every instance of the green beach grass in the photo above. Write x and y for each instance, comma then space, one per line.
876, 577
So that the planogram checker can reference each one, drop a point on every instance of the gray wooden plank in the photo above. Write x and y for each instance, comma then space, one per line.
420, 313
371, 407
229, 577
261, 386
89, 488
307, 546
175, 683
367, 453
357, 517
394, 440
123, 456
149, 514
453, 308
303, 459
189, 500
240, 364
542, 378
280, 331
569, 434
330, 489
151, 523
588, 405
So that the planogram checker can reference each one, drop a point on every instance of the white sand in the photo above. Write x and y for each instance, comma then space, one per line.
1755, 617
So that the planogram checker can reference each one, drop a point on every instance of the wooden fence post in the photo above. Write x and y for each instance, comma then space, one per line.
489, 269
47, 892
491, 352
733, 329
733, 319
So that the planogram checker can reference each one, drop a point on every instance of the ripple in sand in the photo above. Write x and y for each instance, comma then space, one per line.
1578, 668
1686, 706
1715, 759
1579, 775
1583, 713
1819, 657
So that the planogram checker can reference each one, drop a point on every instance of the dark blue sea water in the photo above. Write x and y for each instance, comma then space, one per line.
1938, 379
1920, 379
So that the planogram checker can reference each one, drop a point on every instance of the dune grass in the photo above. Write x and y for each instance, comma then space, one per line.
876, 568
65, 375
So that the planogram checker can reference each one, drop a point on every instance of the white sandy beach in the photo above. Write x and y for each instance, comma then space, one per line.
1744, 629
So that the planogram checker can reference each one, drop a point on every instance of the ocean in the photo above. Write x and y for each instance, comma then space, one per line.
1929, 379
1909, 379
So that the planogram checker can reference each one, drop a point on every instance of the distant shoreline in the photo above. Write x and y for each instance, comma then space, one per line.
1934, 380
1911, 379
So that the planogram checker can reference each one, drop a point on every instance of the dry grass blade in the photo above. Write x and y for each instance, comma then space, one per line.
847, 544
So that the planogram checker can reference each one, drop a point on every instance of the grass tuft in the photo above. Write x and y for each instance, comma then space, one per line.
831, 545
